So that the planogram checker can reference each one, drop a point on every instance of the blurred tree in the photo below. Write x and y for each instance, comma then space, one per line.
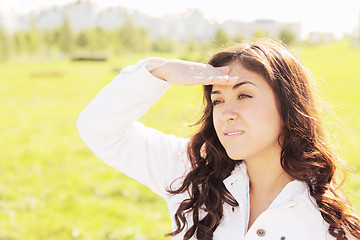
127, 32
164, 44
287, 36
238, 39
191, 50
82, 39
4, 45
115, 42
358, 31
19, 40
51, 38
139, 40
65, 37
99, 39
33, 38
192, 45
130, 37
221, 38
261, 34
133, 36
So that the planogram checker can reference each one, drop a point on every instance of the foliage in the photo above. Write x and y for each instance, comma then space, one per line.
65, 37
20, 44
132, 37
238, 39
221, 38
50, 38
261, 33
28, 42
164, 44
194, 50
4, 45
287, 36
33, 38
129, 38
82, 40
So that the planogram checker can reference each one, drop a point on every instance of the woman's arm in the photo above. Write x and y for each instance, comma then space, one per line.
110, 129
192, 73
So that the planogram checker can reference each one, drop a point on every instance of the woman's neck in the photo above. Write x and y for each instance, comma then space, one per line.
267, 179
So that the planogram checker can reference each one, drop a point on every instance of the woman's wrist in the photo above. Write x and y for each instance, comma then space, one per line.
156, 68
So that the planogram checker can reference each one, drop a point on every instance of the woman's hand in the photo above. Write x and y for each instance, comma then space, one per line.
192, 73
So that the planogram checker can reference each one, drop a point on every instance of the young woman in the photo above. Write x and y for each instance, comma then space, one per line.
259, 167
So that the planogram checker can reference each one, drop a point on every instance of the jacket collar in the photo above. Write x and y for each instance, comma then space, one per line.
238, 185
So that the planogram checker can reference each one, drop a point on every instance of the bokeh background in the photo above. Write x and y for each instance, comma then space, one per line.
55, 56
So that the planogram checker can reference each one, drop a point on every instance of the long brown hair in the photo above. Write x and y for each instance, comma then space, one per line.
306, 155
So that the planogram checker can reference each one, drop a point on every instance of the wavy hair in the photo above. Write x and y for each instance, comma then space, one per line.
306, 155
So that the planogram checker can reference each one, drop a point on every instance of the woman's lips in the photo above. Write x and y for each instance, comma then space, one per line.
234, 133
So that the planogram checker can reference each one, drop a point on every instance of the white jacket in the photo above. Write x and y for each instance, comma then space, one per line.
110, 129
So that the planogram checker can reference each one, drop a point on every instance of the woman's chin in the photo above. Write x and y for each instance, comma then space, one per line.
235, 157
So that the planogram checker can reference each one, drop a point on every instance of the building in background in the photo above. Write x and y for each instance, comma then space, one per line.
356, 34
321, 37
8, 19
270, 28
86, 14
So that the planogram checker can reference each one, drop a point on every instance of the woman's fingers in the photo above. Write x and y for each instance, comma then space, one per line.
221, 80
220, 76
224, 69
193, 73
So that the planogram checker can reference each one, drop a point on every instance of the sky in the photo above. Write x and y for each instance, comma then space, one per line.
337, 16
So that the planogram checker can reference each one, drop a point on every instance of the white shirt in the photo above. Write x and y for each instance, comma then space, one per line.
110, 129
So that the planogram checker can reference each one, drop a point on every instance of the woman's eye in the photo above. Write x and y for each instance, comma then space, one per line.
216, 102
244, 96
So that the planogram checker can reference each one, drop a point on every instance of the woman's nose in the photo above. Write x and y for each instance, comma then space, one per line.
229, 113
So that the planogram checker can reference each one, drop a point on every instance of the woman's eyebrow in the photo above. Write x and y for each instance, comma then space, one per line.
235, 86
242, 83
214, 92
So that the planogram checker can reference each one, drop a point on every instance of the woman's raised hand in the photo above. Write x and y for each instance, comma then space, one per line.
192, 73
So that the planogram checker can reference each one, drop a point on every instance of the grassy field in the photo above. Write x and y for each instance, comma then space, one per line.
53, 187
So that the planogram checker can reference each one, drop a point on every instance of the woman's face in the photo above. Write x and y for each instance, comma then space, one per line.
246, 118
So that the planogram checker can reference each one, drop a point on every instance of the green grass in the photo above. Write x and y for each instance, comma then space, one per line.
336, 68
53, 187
